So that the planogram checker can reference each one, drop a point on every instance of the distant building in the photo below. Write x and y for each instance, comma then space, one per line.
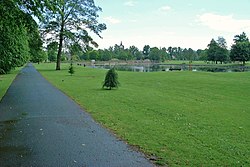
121, 46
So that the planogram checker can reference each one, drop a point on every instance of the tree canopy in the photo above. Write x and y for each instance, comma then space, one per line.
14, 37
217, 50
69, 23
240, 50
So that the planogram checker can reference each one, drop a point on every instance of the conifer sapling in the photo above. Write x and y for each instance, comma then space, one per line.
111, 79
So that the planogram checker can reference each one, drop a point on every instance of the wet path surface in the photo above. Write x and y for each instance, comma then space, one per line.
40, 126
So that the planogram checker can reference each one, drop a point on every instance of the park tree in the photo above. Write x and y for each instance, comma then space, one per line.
75, 51
158, 55
105, 55
170, 52
240, 50
241, 38
202, 54
217, 51
71, 69
39, 57
155, 54
14, 38
36, 7
52, 51
164, 54
123, 55
212, 50
111, 79
221, 41
20, 37
34, 39
135, 52
93, 55
146, 51
191, 55
69, 23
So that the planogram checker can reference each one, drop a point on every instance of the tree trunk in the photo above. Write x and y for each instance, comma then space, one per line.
59, 54
58, 61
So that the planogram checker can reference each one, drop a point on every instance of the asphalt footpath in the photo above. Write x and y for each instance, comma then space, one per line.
41, 127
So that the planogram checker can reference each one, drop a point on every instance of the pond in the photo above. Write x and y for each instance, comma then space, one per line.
180, 67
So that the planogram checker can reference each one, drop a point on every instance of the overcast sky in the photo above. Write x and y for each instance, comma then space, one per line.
164, 23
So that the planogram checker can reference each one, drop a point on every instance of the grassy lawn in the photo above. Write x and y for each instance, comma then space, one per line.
6, 80
183, 118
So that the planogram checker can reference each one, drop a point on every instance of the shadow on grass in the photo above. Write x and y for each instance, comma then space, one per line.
105, 89
51, 70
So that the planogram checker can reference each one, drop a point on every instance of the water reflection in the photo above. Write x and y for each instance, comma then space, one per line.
174, 67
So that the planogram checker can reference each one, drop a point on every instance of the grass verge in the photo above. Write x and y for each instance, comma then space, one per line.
183, 118
6, 80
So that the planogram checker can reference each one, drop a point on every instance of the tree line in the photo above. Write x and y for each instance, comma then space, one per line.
217, 51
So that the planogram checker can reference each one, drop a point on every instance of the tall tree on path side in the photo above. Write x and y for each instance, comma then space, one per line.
71, 22
14, 38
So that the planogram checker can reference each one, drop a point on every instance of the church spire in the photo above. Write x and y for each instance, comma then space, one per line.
121, 45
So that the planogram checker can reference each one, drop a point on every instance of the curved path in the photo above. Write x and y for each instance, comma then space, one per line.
40, 126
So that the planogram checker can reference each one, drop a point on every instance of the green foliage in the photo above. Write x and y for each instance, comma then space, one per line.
93, 55
135, 53
69, 22
240, 50
241, 38
39, 57
71, 69
105, 55
34, 39
146, 51
14, 37
64, 57
217, 51
155, 54
111, 79
183, 118
52, 51
177, 53
36, 7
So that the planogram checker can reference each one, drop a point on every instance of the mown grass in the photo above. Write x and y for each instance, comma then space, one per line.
6, 80
183, 118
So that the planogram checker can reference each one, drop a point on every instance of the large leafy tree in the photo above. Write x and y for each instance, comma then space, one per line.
157, 55
240, 50
135, 53
69, 23
37, 55
217, 51
19, 34
14, 40
105, 55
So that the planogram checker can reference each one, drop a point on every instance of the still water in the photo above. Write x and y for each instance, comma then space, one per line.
181, 67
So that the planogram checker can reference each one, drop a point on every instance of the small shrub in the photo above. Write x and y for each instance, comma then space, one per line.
71, 69
111, 79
